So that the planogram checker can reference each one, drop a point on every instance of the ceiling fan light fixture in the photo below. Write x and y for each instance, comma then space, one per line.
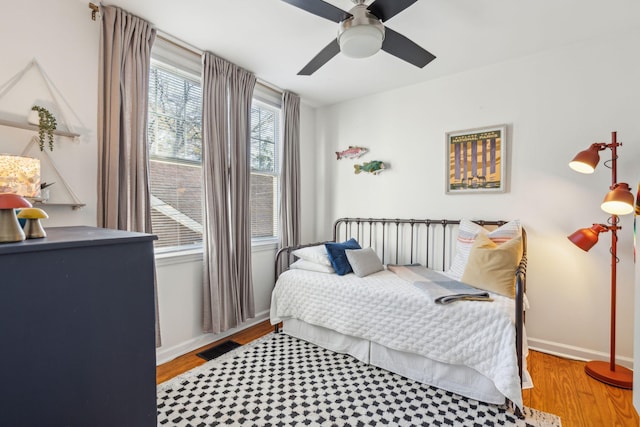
361, 35
361, 32
360, 41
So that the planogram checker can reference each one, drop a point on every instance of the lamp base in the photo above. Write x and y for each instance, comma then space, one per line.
621, 377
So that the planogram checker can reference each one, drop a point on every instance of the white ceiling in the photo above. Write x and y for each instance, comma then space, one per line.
275, 40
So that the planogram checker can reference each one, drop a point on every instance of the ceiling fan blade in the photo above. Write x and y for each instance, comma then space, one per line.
331, 50
387, 9
321, 9
398, 45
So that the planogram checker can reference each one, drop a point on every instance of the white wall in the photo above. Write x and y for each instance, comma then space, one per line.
555, 104
180, 300
65, 41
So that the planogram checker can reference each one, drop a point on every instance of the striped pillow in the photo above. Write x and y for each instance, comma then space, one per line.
467, 233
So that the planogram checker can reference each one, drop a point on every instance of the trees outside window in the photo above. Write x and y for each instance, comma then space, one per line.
175, 157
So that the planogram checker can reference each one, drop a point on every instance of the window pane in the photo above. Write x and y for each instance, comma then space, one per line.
264, 219
175, 116
175, 148
265, 135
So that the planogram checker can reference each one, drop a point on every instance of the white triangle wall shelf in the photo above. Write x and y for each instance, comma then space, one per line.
64, 197
67, 196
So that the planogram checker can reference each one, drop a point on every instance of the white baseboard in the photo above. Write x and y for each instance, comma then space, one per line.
575, 353
164, 355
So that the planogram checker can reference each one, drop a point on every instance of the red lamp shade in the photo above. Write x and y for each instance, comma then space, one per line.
618, 201
586, 238
587, 160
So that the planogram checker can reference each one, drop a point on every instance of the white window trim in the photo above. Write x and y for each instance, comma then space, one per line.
182, 256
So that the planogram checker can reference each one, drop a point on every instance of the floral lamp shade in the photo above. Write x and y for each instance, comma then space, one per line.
19, 175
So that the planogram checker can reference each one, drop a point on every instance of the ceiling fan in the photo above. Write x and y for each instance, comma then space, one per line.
361, 32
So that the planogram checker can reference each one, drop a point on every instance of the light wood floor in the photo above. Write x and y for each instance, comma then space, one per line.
561, 387
190, 360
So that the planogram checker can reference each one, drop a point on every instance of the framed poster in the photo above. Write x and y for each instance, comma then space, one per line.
476, 160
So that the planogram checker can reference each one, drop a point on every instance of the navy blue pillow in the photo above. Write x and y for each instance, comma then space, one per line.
338, 256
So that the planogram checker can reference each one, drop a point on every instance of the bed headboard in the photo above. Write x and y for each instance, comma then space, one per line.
430, 242
404, 241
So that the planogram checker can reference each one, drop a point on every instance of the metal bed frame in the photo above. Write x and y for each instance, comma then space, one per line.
427, 241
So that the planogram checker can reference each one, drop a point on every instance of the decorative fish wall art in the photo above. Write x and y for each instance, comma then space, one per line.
352, 152
373, 167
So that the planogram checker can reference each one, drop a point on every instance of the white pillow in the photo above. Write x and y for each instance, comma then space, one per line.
467, 233
364, 261
302, 264
316, 254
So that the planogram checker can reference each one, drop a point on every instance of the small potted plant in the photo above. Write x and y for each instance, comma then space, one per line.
46, 125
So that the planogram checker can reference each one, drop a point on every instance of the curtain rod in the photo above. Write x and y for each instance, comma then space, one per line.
184, 45
94, 10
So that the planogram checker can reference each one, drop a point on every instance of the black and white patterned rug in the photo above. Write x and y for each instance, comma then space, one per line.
282, 381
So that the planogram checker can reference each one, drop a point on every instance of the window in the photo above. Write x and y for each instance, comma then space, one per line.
175, 156
265, 132
175, 153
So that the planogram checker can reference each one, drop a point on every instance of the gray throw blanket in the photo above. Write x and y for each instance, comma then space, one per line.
442, 289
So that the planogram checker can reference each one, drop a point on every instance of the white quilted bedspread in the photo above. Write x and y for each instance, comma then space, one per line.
392, 312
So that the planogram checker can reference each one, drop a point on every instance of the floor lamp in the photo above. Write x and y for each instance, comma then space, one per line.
619, 201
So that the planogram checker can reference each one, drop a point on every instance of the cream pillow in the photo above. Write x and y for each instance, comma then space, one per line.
492, 267
467, 232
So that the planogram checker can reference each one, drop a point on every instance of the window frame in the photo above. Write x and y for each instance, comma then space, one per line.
186, 73
185, 63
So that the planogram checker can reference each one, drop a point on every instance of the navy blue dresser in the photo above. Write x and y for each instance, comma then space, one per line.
77, 340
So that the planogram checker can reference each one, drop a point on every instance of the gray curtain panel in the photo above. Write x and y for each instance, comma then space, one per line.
289, 209
227, 289
123, 161
240, 99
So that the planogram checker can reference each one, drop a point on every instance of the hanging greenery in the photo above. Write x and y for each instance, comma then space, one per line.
46, 125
